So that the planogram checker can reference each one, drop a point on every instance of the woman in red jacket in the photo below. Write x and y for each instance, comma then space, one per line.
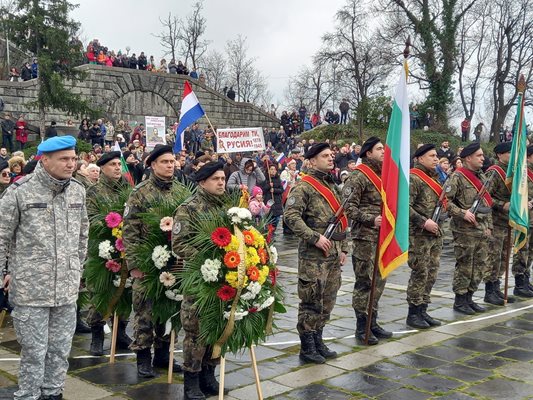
21, 133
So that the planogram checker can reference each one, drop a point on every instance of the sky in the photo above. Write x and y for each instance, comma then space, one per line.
282, 35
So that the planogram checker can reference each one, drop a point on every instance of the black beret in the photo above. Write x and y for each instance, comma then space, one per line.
470, 149
207, 170
424, 149
199, 154
106, 157
502, 148
529, 150
315, 150
158, 150
368, 145
3, 165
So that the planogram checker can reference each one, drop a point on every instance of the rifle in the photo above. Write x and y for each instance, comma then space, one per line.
476, 205
440, 203
334, 221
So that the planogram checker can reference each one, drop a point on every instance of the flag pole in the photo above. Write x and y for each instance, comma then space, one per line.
507, 259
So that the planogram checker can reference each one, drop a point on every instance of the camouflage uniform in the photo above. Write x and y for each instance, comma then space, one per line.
362, 209
319, 277
142, 197
424, 247
84, 180
471, 243
522, 260
500, 220
44, 223
195, 353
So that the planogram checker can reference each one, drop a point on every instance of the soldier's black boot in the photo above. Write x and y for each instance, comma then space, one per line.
144, 364
162, 357
415, 319
52, 397
321, 347
430, 320
520, 286
377, 330
308, 352
491, 296
97, 341
81, 325
473, 305
208, 383
361, 330
528, 282
191, 386
123, 340
499, 293
460, 305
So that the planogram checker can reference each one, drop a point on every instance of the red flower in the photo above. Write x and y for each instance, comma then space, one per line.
249, 238
263, 255
221, 237
113, 266
253, 273
270, 233
273, 274
252, 309
232, 259
226, 293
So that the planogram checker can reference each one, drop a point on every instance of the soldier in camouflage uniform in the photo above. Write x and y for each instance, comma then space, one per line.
198, 366
145, 194
425, 236
109, 186
501, 197
44, 225
4, 177
471, 233
364, 209
522, 260
307, 213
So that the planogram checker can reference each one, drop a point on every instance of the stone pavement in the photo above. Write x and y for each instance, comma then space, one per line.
488, 356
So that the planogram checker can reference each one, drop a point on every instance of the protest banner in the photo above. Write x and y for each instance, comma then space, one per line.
235, 140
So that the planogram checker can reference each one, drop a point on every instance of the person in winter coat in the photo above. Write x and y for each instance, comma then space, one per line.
273, 190
257, 206
249, 175
232, 164
21, 133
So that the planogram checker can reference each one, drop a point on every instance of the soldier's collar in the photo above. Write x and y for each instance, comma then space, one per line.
375, 165
161, 183
56, 185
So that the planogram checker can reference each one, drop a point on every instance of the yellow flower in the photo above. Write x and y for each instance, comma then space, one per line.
117, 232
234, 244
233, 280
263, 274
252, 258
259, 240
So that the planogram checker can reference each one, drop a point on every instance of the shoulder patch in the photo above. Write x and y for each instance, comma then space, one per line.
448, 189
126, 210
291, 201
177, 228
346, 191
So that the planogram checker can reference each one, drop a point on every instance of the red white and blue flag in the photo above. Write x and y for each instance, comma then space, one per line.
191, 111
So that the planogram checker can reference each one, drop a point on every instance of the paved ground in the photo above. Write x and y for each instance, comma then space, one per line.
485, 357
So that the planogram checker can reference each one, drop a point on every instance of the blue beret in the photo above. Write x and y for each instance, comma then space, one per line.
57, 143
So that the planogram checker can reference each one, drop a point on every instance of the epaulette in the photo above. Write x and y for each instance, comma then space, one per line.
21, 181
77, 181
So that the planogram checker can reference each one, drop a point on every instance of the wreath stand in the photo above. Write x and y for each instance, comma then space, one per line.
113, 339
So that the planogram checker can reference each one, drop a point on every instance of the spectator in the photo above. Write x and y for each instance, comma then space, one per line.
133, 61
3, 154
172, 67
182, 69
445, 151
8, 128
231, 94
290, 173
162, 66
273, 190
83, 133
465, 129
344, 107
100, 59
142, 61
16, 164
110, 134
315, 119
232, 164
248, 176
257, 206
94, 134
342, 158
93, 173
25, 74
34, 69
415, 118
478, 131
193, 74
443, 168
21, 133
51, 131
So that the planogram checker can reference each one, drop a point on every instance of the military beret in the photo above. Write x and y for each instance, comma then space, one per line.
529, 150
207, 170
368, 145
57, 143
158, 151
502, 148
315, 150
470, 149
424, 149
108, 157
3, 165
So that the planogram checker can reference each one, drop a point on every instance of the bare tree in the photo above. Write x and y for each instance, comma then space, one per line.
238, 62
169, 38
192, 46
215, 68
253, 84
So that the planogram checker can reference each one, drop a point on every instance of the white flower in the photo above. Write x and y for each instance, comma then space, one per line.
239, 314
244, 213
166, 224
210, 269
238, 215
174, 295
274, 255
105, 249
264, 304
235, 220
253, 290
167, 279
160, 256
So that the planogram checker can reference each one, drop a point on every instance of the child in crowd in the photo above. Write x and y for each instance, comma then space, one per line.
256, 206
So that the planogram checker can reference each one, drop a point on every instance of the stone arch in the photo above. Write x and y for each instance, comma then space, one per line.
136, 104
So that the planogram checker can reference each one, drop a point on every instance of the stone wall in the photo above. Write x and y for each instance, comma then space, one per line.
122, 93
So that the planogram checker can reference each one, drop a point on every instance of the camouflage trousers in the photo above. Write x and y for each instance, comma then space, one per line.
195, 354
497, 255
471, 255
363, 255
424, 260
522, 260
45, 337
145, 332
319, 280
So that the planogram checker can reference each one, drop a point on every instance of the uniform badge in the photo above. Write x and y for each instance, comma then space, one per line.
448, 189
177, 228
347, 191
126, 210
291, 201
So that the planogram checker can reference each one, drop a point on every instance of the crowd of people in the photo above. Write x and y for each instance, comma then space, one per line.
25, 73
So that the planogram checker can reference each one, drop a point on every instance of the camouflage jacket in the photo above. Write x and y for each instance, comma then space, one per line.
422, 202
143, 196
105, 187
461, 194
198, 203
365, 203
84, 181
45, 227
307, 213
500, 195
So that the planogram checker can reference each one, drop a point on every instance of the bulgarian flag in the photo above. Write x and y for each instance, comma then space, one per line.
517, 175
125, 170
394, 233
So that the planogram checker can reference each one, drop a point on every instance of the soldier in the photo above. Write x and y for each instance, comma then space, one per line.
198, 366
364, 209
109, 185
308, 210
471, 232
501, 196
522, 260
425, 238
44, 225
158, 185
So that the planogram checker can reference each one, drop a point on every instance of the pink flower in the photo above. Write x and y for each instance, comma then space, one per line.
113, 266
166, 224
113, 219
119, 245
